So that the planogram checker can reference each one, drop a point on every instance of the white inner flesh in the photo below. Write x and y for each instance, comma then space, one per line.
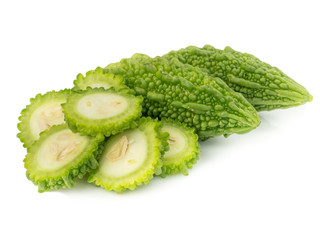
101, 105
132, 147
45, 116
60, 149
177, 141
99, 85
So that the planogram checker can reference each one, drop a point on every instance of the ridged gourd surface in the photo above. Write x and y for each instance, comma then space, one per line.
177, 91
264, 86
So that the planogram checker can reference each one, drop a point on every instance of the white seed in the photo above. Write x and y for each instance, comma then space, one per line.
67, 151
119, 150
54, 148
65, 136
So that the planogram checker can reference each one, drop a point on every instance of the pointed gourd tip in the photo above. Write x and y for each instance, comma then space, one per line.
254, 120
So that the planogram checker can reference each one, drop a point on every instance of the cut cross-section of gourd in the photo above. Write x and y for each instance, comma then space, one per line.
183, 148
60, 156
103, 111
131, 158
42, 113
98, 78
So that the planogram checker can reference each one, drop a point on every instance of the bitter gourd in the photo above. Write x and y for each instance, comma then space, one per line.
60, 156
131, 158
97, 110
98, 78
43, 112
177, 91
264, 86
183, 148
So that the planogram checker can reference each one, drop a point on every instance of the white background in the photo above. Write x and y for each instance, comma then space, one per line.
262, 185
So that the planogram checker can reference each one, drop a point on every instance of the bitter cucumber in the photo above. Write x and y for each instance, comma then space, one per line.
183, 148
264, 86
43, 112
97, 110
131, 158
177, 91
60, 156
98, 78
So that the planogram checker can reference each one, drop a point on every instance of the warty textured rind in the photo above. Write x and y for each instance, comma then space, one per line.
264, 86
177, 91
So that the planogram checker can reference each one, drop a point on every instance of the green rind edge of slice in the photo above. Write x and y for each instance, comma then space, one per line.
83, 125
159, 146
25, 134
182, 165
68, 174
98, 76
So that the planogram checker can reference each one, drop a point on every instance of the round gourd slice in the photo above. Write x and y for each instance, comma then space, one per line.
43, 112
98, 78
103, 111
131, 158
183, 148
60, 156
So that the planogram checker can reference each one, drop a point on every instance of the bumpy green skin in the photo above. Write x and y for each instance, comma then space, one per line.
66, 176
264, 86
25, 135
107, 126
98, 77
158, 146
186, 159
177, 91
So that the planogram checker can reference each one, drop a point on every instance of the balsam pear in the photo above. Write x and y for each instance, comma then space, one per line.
43, 112
98, 78
132, 157
264, 86
60, 156
183, 150
97, 110
177, 91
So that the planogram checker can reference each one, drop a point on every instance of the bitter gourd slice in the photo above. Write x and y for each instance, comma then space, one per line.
103, 111
43, 112
98, 78
177, 91
264, 86
60, 156
131, 158
183, 148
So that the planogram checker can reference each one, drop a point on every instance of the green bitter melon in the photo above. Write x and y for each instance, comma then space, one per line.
177, 91
98, 78
97, 110
183, 150
60, 156
43, 112
264, 86
132, 157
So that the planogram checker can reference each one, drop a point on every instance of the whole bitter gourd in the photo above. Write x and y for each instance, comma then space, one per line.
43, 112
131, 158
59, 157
177, 91
183, 150
264, 86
